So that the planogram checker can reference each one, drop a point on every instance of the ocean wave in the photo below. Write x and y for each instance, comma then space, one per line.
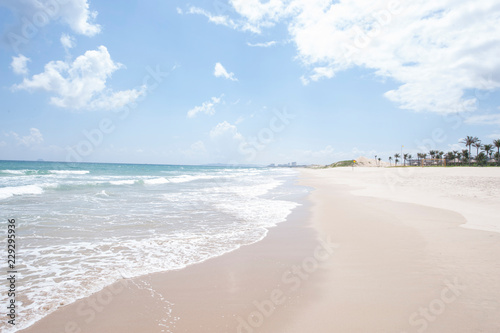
156, 181
7, 192
123, 182
29, 172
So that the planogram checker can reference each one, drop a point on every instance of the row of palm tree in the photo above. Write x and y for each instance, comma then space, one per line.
487, 153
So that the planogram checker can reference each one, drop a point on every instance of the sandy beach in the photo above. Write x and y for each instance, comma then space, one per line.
371, 250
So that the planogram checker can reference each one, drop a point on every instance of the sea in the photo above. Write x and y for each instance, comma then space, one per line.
83, 226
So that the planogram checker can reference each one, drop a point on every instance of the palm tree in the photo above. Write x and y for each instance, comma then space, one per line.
405, 157
481, 158
432, 153
420, 156
390, 160
440, 154
465, 154
468, 141
379, 159
477, 144
497, 157
450, 156
458, 155
396, 156
496, 143
488, 149
409, 159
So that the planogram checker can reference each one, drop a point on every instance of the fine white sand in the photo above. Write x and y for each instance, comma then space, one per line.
472, 192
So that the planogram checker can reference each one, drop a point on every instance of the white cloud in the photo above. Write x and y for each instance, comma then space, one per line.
224, 143
488, 119
117, 99
207, 107
19, 64
197, 151
266, 44
262, 14
35, 137
67, 41
220, 71
224, 20
225, 130
82, 83
239, 120
455, 146
317, 74
217, 19
437, 51
75, 13
198, 146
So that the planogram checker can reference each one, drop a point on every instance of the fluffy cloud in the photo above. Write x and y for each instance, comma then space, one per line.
220, 71
437, 51
35, 137
82, 83
75, 13
67, 41
225, 140
19, 64
207, 107
226, 131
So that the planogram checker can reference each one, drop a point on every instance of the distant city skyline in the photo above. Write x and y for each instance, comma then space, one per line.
245, 81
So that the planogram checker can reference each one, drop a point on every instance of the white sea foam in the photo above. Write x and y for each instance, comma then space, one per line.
123, 182
15, 172
156, 181
103, 194
7, 192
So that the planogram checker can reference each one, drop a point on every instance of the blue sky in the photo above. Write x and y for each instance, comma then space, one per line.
244, 81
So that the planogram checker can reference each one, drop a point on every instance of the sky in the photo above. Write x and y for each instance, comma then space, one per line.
245, 81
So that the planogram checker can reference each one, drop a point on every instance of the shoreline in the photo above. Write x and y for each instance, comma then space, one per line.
159, 301
390, 266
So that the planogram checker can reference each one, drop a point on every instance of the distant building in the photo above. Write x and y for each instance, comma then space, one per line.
294, 164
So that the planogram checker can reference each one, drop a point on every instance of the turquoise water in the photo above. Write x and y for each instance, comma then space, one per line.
83, 226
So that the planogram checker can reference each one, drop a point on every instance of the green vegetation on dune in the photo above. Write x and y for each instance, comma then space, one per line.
346, 163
